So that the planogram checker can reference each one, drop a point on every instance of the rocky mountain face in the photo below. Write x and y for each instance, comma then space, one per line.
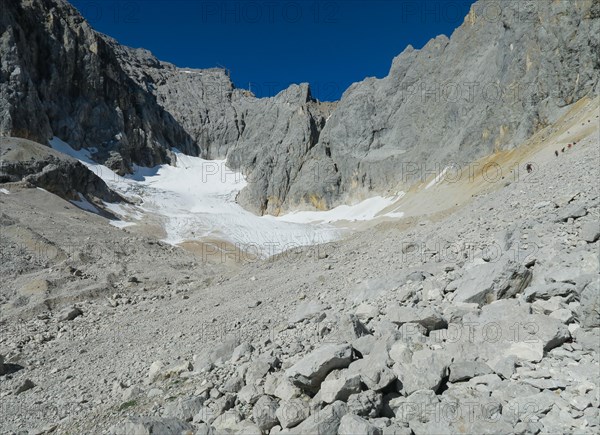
501, 77
505, 73
266, 138
59, 77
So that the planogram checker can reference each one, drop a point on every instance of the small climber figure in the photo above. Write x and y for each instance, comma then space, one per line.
556, 152
529, 168
562, 151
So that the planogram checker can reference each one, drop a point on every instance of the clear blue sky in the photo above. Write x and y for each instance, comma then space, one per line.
273, 43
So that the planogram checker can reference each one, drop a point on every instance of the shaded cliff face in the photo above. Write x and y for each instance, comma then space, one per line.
200, 100
59, 77
506, 72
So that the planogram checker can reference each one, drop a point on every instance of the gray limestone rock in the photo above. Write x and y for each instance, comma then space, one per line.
264, 412
184, 408
151, 425
326, 421
426, 371
590, 231
373, 372
464, 370
311, 370
250, 394
351, 424
292, 412
227, 421
425, 317
589, 311
488, 282
366, 403
340, 387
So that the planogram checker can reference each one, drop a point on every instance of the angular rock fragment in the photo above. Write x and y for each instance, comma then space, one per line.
326, 421
351, 424
465, 370
264, 413
310, 371
488, 282
292, 412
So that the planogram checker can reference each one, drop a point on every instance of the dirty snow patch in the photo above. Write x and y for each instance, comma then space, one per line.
365, 210
84, 204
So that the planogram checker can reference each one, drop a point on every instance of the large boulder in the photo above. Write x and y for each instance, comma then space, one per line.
257, 370
347, 327
485, 283
426, 371
589, 310
227, 422
547, 291
250, 394
185, 408
292, 412
524, 407
353, 424
590, 231
310, 371
339, 387
505, 328
366, 403
373, 372
264, 413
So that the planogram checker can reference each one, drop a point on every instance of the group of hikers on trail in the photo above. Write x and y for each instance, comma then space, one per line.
569, 146
529, 166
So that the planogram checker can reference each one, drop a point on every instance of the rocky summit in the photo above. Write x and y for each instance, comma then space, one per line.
441, 265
